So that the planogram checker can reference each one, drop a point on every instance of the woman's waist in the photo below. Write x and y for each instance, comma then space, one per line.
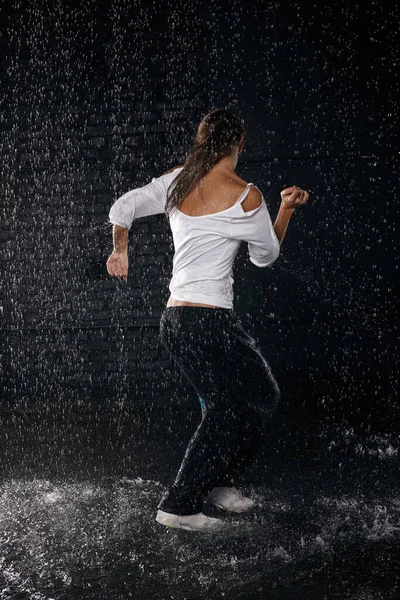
210, 294
175, 302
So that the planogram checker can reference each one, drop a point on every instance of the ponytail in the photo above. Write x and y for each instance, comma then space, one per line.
219, 132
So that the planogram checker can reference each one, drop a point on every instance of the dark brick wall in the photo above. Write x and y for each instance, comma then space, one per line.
97, 99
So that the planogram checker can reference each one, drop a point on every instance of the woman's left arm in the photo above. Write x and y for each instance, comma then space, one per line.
117, 264
140, 202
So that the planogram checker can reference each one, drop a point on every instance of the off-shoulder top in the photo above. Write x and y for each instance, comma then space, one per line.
205, 246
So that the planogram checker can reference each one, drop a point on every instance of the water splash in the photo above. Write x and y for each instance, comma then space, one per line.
70, 540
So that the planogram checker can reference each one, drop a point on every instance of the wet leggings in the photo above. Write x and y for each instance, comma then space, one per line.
237, 392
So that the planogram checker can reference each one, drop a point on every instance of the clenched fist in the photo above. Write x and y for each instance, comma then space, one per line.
117, 264
294, 196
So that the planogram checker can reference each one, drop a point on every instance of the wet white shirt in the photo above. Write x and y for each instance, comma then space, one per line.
205, 246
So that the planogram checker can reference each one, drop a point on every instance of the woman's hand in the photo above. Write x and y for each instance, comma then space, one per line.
117, 264
294, 196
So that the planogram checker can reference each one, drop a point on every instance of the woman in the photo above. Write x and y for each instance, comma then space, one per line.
211, 210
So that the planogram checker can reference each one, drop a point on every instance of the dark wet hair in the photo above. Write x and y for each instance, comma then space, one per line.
218, 133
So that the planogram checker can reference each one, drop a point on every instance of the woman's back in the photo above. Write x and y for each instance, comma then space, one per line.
207, 228
218, 191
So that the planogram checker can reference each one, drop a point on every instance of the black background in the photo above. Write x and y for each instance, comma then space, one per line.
97, 99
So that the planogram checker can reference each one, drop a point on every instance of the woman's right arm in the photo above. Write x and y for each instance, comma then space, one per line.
254, 224
291, 197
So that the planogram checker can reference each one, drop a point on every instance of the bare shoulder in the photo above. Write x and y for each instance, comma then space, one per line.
253, 199
173, 169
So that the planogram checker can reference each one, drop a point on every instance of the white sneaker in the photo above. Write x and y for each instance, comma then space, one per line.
196, 522
230, 499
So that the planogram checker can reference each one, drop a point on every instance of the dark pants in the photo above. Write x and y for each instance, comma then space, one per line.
238, 395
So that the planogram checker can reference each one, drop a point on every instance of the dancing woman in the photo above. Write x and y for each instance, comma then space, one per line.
211, 210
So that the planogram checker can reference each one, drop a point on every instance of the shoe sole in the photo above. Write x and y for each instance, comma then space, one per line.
176, 524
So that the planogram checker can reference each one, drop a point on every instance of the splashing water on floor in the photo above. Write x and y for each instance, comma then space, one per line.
83, 540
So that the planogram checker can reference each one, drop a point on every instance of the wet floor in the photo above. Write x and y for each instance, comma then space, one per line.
77, 508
